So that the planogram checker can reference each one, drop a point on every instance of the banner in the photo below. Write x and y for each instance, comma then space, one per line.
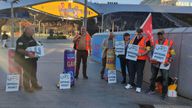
39, 51
110, 62
119, 47
69, 64
65, 81
112, 76
12, 83
160, 53
132, 52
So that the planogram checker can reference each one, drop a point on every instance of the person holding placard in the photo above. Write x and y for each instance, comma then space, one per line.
122, 58
162, 66
29, 65
107, 44
142, 43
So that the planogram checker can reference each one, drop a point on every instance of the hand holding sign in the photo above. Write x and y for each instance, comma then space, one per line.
119, 47
160, 53
38, 50
132, 52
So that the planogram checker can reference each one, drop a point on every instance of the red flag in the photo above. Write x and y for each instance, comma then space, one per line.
147, 28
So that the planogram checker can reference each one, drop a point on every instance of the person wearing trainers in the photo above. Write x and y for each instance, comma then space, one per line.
83, 46
108, 43
29, 65
137, 67
155, 66
122, 58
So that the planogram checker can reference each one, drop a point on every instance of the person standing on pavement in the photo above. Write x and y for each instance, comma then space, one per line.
155, 65
83, 47
29, 65
122, 58
137, 67
108, 43
4, 39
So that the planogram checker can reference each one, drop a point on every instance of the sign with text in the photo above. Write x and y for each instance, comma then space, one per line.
160, 53
65, 81
39, 51
132, 52
119, 47
112, 76
12, 83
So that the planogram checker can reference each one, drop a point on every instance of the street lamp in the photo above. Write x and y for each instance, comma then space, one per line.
85, 14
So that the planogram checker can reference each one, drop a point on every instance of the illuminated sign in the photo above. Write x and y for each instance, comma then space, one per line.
183, 3
64, 9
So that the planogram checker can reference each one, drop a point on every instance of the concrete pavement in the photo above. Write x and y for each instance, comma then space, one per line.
91, 93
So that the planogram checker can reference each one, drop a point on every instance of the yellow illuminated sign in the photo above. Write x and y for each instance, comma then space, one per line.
64, 9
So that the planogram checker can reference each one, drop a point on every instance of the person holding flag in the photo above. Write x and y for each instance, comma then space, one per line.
137, 66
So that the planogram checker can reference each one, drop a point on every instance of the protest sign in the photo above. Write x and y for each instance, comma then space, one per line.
112, 76
65, 81
132, 52
119, 47
160, 53
12, 83
39, 51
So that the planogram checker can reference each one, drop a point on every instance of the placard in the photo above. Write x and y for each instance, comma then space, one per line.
12, 83
65, 81
132, 52
162, 66
39, 51
119, 47
112, 76
160, 53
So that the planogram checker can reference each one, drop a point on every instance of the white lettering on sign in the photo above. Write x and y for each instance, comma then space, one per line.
119, 47
132, 52
65, 81
160, 53
39, 51
112, 76
12, 83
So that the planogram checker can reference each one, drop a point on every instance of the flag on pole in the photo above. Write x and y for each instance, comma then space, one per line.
148, 28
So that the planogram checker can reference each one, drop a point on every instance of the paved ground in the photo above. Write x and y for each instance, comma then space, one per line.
91, 93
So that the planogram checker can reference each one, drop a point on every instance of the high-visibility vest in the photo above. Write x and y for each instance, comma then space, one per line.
88, 41
169, 44
142, 47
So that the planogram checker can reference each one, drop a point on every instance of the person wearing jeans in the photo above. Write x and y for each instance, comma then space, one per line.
155, 65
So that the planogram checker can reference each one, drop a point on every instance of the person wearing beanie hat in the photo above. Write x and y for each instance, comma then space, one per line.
122, 58
155, 65
137, 67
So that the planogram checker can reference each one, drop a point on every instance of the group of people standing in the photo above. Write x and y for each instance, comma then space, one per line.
82, 44
145, 52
